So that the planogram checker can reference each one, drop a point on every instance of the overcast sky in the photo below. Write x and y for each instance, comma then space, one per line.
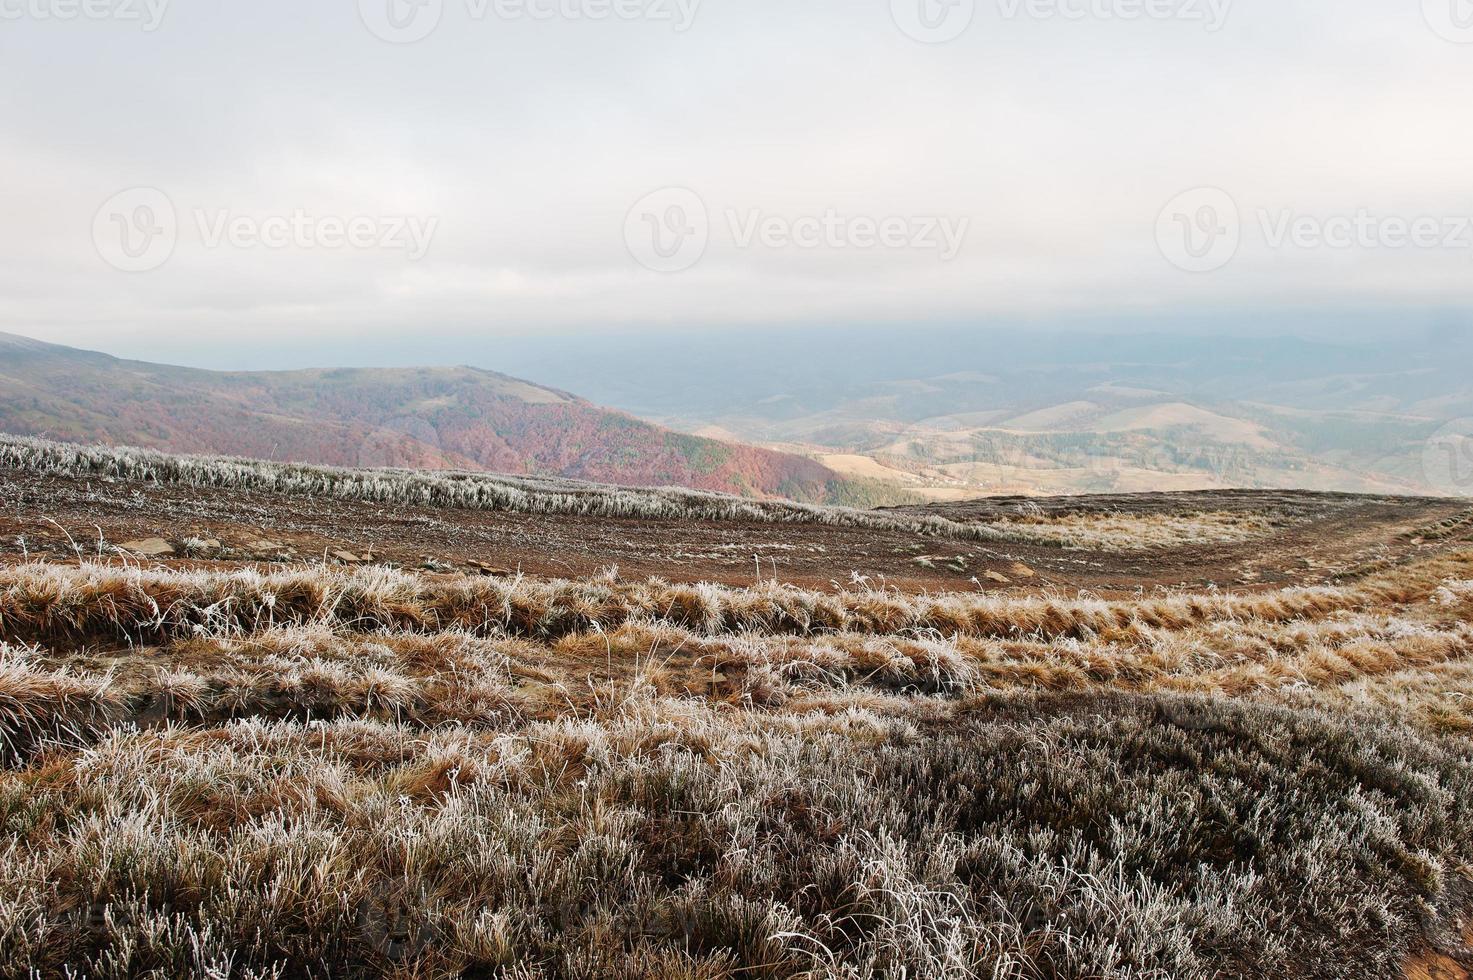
276, 172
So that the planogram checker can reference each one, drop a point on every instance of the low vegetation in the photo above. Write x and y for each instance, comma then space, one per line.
99, 602
476, 491
554, 496
1136, 532
319, 771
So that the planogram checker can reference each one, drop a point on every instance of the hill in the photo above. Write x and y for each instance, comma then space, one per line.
1202, 735
458, 418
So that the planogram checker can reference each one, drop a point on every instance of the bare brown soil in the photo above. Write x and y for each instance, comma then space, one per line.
1323, 537
1437, 965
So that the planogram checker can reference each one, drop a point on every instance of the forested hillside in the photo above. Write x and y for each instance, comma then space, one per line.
425, 418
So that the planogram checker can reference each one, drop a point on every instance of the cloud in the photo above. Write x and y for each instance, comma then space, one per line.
1057, 131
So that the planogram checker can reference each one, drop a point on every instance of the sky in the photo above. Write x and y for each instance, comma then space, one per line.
242, 182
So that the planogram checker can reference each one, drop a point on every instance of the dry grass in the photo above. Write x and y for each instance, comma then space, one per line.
1119, 532
65, 603
320, 772
472, 491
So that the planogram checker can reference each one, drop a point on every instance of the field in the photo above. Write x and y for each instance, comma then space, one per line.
286, 722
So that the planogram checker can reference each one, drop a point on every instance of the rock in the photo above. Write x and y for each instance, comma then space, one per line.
1021, 570
261, 544
148, 547
997, 577
348, 557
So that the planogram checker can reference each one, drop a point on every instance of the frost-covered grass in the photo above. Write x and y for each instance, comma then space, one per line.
1096, 836
75, 603
554, 496
325, 772
474, 491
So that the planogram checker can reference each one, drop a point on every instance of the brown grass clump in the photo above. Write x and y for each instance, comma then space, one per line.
72, 604
37, 705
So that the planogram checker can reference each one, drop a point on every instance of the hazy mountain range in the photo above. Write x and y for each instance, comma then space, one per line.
429, 418
959, 412
849, 417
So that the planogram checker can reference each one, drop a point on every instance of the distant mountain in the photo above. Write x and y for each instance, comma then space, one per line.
953, 413
423, 418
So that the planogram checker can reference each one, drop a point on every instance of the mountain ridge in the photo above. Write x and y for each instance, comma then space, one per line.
433, 418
